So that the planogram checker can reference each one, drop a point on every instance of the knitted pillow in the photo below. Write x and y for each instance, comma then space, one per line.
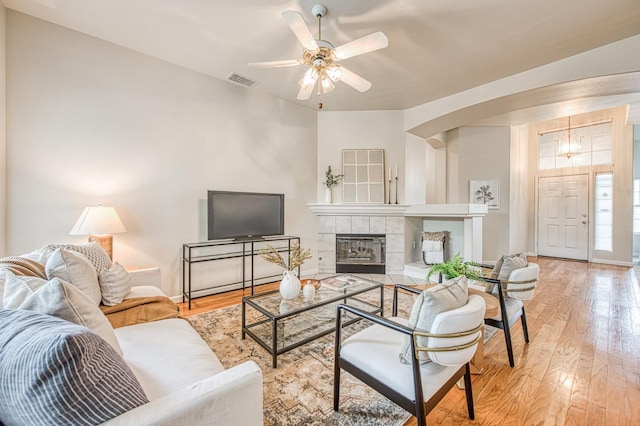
443, 297
92, 251
56, 372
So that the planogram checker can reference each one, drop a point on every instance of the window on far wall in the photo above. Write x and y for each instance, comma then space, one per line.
604, 212
591, 146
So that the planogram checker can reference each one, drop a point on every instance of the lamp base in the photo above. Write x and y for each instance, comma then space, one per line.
105, 241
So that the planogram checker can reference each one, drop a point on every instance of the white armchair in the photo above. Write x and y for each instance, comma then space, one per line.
372, 356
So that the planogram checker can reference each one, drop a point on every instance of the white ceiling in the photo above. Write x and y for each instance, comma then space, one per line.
436, 47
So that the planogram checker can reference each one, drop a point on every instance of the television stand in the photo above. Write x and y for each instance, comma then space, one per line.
248, 239
245, 250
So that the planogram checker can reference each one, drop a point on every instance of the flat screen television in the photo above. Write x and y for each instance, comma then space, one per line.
244, 215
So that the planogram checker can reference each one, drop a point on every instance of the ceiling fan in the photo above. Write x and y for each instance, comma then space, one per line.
322, 57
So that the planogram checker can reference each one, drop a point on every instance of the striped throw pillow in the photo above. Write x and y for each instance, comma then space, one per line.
20, 265
115, 284
56, 372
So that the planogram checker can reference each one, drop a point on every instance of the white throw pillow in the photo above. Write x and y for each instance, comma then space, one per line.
115, 284
443, 297
74, 268
59, 299
504, 267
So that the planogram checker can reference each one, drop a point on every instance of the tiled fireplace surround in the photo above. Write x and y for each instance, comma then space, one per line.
391, 226
401, 224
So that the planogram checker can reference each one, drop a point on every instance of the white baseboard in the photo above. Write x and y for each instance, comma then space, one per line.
612, 262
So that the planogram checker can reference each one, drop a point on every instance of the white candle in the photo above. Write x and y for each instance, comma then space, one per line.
396, 171
389, 174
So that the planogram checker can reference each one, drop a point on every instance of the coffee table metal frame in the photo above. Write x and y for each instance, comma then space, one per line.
324, 297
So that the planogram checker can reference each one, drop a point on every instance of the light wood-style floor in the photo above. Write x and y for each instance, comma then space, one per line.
581, 367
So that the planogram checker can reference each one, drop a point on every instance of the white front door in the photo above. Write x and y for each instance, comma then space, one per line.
563, 221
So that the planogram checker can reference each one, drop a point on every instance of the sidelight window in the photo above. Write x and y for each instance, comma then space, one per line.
603, 226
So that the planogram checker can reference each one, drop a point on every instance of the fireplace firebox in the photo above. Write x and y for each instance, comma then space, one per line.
360, 253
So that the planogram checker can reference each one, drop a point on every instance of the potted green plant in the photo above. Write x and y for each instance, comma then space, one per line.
456, 267
330, 181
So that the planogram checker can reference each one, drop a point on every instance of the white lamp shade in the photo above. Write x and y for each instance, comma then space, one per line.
98, 220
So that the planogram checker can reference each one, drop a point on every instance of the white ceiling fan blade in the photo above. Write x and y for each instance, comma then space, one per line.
305, 92
354, 80
276, 64
300, 29
362, 45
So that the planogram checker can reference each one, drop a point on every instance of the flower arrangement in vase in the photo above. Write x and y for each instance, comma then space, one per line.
330, 181
290, 284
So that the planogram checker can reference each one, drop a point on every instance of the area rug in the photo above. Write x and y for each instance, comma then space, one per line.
300, 390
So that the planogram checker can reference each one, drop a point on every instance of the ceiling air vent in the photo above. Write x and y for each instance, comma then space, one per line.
240, 80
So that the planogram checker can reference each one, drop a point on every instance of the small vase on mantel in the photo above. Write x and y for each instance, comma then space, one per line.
327, 195
290, 285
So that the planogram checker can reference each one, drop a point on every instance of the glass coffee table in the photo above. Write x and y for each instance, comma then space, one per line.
279, 325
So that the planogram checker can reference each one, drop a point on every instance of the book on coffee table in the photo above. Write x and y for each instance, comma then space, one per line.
338, 283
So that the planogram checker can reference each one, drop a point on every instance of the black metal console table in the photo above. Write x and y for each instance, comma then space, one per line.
210, 251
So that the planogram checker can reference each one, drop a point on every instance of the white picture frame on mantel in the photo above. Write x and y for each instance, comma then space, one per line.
363, 180
485, 192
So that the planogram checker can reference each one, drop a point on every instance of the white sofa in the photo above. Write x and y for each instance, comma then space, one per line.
180, 375
183, 379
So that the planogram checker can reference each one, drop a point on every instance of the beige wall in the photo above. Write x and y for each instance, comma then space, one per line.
483, 153
622, 169
90, 122
520, 189
360, 130
419, 178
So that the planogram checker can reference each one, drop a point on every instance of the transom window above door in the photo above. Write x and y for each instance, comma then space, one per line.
575, 147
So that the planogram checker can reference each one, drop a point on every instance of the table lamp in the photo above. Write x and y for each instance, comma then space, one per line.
99, 223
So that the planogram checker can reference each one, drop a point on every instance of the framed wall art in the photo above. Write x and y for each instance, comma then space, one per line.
363, 181
485, 192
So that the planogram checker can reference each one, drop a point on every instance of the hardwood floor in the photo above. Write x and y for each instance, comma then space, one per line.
581, 367
218, 301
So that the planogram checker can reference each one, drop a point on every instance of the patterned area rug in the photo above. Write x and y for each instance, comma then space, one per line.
300, 390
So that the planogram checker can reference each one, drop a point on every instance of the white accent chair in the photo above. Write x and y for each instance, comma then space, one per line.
372, 356
511, 293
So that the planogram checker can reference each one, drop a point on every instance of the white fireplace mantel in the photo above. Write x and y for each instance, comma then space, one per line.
358, 209
414, 210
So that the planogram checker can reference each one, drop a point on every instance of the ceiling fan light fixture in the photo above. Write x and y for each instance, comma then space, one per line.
309, 79
334, 72
320, 55
327, 84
